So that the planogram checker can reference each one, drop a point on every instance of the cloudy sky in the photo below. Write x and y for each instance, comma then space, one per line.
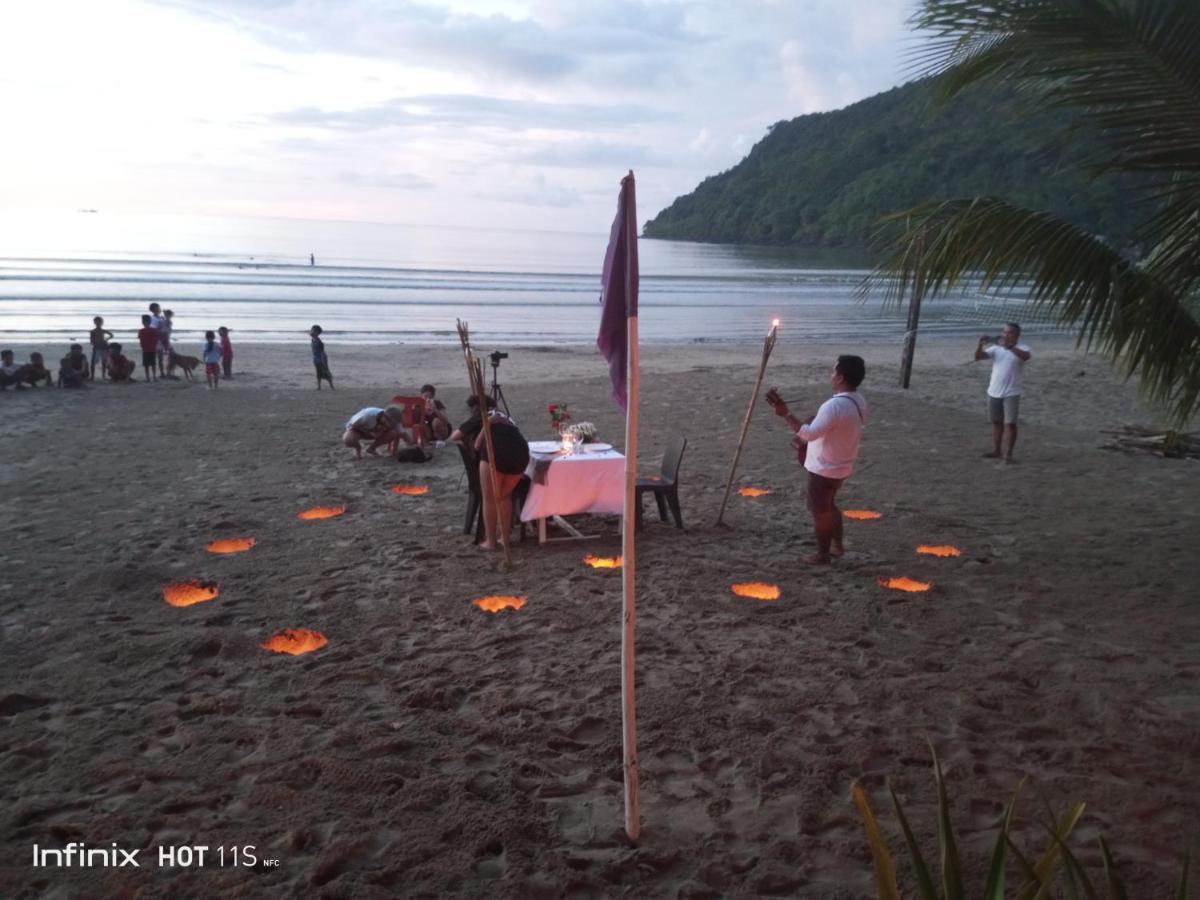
520, 113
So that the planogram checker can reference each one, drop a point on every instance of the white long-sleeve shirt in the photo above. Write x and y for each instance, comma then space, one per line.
834, 435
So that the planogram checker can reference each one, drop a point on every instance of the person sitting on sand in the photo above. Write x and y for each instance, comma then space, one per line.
73, 370
512, 456
9, 371
832, 437
120, 367
35, 371
1004, 389
437, 423
379, 426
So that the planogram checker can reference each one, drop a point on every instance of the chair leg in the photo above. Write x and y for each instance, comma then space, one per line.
639, 519
662, 506
673, 500
472, 513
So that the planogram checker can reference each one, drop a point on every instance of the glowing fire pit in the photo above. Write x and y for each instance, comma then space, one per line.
495, 604
754, 492
321, 512
756, 590
186, 593
231, 545
410, 490
604, 562
295, 641
903, 584
862, 515
940, 550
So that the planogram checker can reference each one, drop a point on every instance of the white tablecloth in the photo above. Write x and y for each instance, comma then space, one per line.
579, 483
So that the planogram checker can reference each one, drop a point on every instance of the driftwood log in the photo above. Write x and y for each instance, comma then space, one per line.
1174, 444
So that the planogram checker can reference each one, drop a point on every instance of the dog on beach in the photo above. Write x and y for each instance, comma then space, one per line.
187, 363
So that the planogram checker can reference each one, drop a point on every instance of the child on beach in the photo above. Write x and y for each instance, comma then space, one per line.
226, 352
99, 337
159, 323
120, 367
320, 360
212, 360
73, 369
148, 339
34, 371
10, 372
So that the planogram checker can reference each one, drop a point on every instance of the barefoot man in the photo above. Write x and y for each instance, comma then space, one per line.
832, 438
1004, 390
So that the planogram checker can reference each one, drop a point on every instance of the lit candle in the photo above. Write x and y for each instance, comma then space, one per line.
774, 324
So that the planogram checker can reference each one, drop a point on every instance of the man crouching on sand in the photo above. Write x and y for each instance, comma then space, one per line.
832, 440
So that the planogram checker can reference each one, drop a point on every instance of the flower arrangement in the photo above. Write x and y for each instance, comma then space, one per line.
583, 432
559, 416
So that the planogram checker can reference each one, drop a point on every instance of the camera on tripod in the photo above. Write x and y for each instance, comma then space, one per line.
495, 356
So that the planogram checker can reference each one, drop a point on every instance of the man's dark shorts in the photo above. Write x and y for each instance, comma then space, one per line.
149, 359
821, 491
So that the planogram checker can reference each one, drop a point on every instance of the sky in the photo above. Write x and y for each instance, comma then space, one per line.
491, 113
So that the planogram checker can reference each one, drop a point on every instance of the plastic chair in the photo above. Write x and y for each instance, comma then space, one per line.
665, 485
414, 416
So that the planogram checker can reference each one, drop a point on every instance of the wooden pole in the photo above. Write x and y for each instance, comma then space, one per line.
475, 374
768, 346
914, 318
633, 824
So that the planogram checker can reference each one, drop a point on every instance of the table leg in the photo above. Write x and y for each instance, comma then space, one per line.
541, 531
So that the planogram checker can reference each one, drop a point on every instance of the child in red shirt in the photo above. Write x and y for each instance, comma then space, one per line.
148, 338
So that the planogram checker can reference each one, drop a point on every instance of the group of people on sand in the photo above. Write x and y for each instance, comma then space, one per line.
828, 442
384, 426
159, 357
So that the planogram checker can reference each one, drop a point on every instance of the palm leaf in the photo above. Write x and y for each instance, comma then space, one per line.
952, 885
1182, 893
1128, 68
924, 881
1116, 889
885, 869
994, 888
1122, 308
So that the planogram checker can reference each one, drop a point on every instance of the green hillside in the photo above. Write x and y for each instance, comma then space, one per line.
825, 179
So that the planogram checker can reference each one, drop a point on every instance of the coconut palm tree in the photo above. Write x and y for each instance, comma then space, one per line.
1130, 69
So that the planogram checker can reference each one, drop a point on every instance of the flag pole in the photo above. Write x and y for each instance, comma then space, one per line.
633, 825
768, 346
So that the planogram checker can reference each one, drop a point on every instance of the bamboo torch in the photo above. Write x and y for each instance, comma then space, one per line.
768, 346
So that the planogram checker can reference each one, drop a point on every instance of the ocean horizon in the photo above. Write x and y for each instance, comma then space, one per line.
270, 280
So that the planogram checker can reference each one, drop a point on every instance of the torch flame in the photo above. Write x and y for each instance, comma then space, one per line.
231, 545
604, 562
185, 593
903, 584
940, 550
774, 323
753, 492
861, 514
295, 641
757, 590
494, 604
410, 490
321, 512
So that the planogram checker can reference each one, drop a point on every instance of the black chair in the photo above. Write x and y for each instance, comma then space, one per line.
474, 520
665, 485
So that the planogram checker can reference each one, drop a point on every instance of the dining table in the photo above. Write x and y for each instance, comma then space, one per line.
589, 479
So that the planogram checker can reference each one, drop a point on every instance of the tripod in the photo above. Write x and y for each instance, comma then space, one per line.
498, 398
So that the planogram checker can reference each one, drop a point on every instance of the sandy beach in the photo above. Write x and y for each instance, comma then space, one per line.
430, 749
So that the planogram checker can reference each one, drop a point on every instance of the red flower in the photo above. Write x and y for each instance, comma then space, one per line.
553, 407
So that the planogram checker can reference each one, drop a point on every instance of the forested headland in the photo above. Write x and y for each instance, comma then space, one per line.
826, 179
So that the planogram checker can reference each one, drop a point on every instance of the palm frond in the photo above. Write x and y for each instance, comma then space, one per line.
1117, 306
1128, 68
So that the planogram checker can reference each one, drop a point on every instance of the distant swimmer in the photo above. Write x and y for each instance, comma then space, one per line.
312, 260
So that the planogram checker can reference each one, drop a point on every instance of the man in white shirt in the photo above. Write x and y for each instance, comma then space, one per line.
832, 439
1004, 390
159, 323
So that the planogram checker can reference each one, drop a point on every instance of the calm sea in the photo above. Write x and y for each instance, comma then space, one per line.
387, 283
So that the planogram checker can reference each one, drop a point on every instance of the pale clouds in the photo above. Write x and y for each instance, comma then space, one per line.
514, 112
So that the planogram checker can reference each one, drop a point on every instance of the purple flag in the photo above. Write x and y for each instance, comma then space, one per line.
619, 292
